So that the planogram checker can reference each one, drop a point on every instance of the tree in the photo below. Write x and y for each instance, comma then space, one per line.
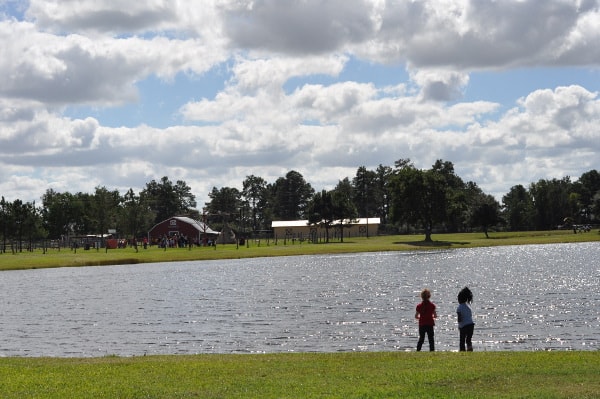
383, 195
518, 209
403, 163
27, 223
135, 218
458, 196
18, 213
254, 191
345, 212
345, 187
166, 199
365, 191
186, 201
333, 208
60, 213
32, 225
321, 211
551, 202
225, 199
291, 195
266, 205
471, 197
5, 222
419, 197
224, 202
595, 207
84, 219
485, 213
590, 183
588, 189
104, 206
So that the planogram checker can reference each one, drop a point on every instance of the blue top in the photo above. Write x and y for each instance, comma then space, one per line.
465, 316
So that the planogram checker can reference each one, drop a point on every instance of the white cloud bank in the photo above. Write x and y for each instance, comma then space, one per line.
283, 104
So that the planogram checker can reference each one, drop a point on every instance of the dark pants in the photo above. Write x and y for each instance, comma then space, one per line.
429, 331
466, 333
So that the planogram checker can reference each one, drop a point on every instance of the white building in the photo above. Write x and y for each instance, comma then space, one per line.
300, 229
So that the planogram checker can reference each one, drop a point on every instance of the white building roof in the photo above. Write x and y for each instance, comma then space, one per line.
303, 223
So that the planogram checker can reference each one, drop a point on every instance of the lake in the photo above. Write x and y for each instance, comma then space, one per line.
526, 298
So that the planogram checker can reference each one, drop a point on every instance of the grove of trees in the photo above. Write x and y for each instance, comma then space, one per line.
405, 198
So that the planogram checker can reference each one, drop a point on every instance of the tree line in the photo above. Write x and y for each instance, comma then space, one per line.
408, 199
65, 215
405, 198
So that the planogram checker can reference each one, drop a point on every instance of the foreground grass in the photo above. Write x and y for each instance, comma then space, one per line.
308, 375
264, 248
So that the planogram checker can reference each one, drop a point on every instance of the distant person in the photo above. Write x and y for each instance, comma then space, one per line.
465, 319
426, 314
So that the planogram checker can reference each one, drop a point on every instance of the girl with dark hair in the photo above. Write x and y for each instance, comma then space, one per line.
465, 319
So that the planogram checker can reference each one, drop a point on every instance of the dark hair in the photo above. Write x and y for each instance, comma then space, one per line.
465, 295
425, 294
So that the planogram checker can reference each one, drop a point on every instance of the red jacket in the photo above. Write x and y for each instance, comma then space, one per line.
426, 310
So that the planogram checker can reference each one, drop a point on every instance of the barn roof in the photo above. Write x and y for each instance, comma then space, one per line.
200, 226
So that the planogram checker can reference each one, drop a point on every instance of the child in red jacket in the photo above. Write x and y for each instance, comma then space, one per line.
426, 314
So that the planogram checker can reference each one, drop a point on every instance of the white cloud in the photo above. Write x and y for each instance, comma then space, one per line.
301, 27
440, 85
470, 35
76, 69
290, 98
124, 18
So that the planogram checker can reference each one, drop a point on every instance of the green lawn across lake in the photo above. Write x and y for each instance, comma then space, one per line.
559, 374
265, 248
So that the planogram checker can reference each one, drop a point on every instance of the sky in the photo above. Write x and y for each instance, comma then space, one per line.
117, 93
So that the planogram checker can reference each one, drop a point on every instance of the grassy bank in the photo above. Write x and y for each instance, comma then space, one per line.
313, 375
266, 248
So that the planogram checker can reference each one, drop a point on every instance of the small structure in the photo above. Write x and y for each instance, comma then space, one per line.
227, 235
182, 226
300, 229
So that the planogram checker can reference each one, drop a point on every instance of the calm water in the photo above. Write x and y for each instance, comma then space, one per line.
526, 298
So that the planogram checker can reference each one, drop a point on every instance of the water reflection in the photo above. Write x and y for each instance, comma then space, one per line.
526, 298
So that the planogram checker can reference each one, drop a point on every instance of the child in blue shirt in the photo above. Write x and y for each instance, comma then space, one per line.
465, 319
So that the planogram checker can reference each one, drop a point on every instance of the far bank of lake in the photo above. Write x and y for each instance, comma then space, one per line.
66, 257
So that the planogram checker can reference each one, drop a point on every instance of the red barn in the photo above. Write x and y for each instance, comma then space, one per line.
182, 226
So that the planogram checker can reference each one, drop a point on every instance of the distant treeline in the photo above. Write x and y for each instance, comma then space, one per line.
406, 199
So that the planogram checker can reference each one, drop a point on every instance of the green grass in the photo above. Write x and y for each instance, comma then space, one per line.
264, 248
309, 375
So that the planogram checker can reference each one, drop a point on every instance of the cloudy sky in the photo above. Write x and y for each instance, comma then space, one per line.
116, 93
